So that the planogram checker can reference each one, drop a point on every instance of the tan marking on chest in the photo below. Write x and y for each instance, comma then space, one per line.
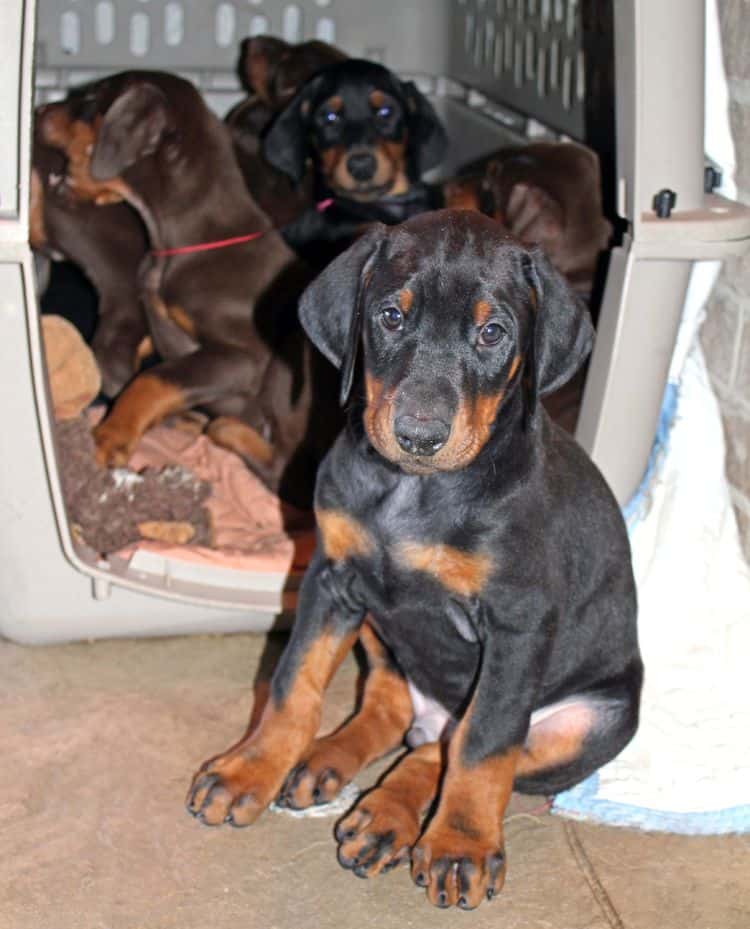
460, 572
342, 536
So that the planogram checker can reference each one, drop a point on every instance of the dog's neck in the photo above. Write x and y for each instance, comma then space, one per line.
199, 195
390, 208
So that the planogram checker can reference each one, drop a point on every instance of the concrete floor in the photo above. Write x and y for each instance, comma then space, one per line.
99, 742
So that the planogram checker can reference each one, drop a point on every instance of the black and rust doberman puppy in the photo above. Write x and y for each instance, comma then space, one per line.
272, 71
219, 288
107, 243
371, 138
471, 544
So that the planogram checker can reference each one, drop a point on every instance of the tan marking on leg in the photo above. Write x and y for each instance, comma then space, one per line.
377, 728
182, 319
172, 312
467, 827
241, 438
142, 352
460, 572
145, 401
242, 782
381, 829
343, 537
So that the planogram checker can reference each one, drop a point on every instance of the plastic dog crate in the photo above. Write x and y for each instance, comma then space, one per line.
498, 71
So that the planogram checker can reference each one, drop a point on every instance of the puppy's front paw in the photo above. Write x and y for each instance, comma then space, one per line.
233, 788
458, 867
114, 445
319, 777
378, 834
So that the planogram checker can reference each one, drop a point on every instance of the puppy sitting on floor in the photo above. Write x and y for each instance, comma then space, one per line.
371, 137
471, 545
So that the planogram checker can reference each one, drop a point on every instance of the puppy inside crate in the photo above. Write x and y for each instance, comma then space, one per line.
355, 138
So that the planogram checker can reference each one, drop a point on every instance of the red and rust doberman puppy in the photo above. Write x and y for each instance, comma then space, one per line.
107, 243
548, 193
223, 319
470, 543
371, 137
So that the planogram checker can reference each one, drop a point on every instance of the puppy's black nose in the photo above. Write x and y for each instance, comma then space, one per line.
421, 436
361, 165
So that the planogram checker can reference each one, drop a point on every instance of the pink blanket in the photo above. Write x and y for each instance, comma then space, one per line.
247, 520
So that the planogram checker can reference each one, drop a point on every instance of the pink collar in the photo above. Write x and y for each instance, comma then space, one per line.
223, 243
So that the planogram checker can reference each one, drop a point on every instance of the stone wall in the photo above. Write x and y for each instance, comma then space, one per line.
726, 331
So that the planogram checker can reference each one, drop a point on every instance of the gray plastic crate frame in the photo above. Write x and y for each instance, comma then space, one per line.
458, 49
528, 54
533, 49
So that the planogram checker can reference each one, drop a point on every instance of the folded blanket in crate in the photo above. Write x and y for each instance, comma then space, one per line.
246, 518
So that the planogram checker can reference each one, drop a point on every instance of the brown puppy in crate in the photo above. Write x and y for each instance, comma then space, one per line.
219, 287
548, 193
106, 242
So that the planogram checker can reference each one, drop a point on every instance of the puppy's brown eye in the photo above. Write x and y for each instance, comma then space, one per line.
491, 334
384, 112
331, 117
392, 318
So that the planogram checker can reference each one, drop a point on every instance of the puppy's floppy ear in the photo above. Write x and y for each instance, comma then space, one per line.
561, 334
286, 144
331, 308
259, 58
428, 140
132, 128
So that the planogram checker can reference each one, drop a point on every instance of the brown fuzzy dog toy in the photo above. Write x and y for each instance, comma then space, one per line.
110, 509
